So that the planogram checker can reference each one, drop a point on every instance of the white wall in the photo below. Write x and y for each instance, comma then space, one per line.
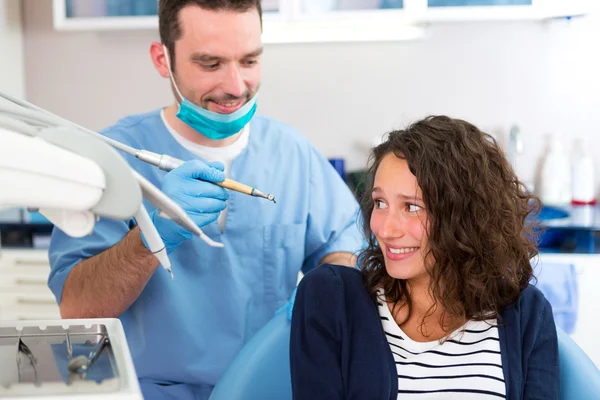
12, 72
542, 76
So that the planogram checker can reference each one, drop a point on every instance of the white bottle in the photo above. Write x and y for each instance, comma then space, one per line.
583, 179
555, 182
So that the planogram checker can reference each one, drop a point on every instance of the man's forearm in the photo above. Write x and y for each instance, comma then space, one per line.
340, 258
105, 285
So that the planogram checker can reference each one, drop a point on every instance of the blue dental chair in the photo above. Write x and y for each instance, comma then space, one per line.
261, 371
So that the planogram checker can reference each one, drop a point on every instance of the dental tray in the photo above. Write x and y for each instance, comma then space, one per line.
35, 355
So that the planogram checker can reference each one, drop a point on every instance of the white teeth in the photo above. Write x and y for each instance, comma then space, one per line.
403, 250
228, 104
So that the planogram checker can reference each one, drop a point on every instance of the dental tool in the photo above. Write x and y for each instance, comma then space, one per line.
155, 243
162, 161
168, 163
81, 364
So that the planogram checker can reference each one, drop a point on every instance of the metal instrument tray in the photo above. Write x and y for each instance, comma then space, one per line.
34, 360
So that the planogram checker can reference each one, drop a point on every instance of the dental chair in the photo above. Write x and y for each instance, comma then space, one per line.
261, 371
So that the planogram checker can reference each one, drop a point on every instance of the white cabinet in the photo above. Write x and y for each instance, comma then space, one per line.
587, 328
490, 10
290, 21
12, 71
285, 21
24, 292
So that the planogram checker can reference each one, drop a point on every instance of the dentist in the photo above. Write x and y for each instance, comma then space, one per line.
184, 333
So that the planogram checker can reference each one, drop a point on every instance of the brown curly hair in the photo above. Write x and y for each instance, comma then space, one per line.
480, 234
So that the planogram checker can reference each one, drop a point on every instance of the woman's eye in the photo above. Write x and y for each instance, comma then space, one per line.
380, 204
414, 208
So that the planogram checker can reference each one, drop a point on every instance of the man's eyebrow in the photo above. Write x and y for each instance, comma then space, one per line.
197, 57
254, 53
206, 58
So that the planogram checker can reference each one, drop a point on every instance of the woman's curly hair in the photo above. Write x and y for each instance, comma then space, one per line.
480, 236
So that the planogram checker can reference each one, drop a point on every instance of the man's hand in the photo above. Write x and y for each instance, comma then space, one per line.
188, 185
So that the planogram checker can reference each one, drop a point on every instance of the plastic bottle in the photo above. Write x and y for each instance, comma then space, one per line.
583, 177
555, 185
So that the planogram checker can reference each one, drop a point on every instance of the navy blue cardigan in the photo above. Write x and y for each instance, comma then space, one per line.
338, 349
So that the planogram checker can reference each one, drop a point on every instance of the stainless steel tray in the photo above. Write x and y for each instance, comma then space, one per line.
34, 360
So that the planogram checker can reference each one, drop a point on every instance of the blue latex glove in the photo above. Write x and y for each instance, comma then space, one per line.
289, 306
202, 201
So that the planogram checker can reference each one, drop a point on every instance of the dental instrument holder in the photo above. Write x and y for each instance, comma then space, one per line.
122, 197
31, 120
42, 351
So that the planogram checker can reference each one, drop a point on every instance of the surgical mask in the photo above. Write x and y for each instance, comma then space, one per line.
212, 125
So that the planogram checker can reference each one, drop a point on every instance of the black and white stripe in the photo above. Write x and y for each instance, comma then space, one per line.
467, 365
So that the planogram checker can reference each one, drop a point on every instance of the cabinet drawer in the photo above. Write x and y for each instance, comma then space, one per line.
31, 277
18, 298
24, 258
29, 312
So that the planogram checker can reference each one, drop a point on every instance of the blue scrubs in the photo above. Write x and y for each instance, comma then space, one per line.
183, 333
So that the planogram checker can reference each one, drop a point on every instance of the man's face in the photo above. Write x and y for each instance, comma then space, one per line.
218, 57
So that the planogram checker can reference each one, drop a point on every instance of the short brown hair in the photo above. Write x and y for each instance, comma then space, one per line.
480, 234
168, 16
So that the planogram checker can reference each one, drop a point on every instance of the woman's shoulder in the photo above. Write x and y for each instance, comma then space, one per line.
335, 284
532, 298
532, 308
329, 276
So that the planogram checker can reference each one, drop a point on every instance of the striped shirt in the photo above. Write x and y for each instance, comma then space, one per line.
466, 366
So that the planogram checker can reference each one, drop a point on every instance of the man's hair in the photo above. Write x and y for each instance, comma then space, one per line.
481, 234
168, 16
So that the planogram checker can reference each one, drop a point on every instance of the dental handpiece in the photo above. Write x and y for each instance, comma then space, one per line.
168, 163
153, 239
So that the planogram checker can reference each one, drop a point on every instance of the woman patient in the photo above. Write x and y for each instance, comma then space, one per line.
441, 307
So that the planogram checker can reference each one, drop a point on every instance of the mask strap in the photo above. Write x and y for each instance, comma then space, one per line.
171, 73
